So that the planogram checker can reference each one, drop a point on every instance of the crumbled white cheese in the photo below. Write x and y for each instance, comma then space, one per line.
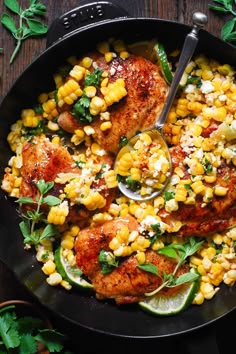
206, 87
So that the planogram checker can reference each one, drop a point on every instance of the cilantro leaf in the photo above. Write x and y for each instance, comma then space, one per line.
52, 339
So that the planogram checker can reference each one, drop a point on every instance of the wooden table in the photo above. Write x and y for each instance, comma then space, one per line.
178, 10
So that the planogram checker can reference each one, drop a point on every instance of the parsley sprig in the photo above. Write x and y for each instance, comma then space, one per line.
27, 25
228, 31
32, 219
22, 333
180, 252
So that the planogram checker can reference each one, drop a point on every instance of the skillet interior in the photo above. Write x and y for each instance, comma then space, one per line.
82, 308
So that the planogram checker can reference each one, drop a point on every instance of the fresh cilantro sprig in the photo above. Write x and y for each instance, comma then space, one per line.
31, 234
27, 25
80, 109
21, 333
228, 31
180, 252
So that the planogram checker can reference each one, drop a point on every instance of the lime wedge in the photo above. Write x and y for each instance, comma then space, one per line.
163, 62
163, 305
72, 274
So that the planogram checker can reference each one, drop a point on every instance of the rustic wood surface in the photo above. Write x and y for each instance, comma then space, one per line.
177, 10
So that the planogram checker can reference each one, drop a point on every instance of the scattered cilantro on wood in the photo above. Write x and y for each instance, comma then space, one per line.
22, 333
27, 25
228, 31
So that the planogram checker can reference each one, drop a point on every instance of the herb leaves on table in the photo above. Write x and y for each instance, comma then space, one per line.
27, 25
228, 31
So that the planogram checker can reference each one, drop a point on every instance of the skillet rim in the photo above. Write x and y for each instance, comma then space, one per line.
23, 273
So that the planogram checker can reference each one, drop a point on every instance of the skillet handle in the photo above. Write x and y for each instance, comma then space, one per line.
83, 16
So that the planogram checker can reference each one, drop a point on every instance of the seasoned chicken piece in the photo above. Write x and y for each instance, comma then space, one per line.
44, 160
202, 219
146, 93
41, 159
126, 283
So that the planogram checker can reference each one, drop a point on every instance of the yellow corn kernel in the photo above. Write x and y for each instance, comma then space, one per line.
89, 130
198, 299
180, 193
211, 252
97, 105
195, 260
217, 239
123, 234
43, 97
66, 285
119, 45
86, 62
114, 91
69, 92
114, 244
207, 290
201, 270
94, 201
208, 195
105, 126
220, 114
210, 179
110, 179
109, 56
77, 72
57, 214
53, 126
49, 267
141, 258
54, 279
172, 117
124, 54
220, 191
90, 91
103, 47
56, 139
79, 133
50, 109
198, 187
157, 245
67, 242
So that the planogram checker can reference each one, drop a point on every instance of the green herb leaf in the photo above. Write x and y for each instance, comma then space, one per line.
28, 345
44, 187
13, 5
49, 231
80, 164
168, 251
123, 141
186, 277
51, 200
107, 261
94, 78
227, 6
52, 339
27, 25
25, 200
9, 23
36, 27
169, 195
148, 267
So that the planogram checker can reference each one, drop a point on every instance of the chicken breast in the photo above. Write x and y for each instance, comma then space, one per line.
146, 93
127, 283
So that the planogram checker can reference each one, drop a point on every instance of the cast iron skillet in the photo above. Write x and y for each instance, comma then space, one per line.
77, 306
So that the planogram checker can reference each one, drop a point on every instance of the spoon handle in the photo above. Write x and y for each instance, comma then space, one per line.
190, 43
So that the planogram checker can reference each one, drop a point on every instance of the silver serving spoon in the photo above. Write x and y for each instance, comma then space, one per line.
190, 43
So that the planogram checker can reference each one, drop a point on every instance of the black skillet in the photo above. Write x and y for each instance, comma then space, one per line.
73, 34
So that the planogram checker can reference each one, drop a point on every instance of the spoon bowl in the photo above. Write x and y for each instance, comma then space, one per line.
133, 188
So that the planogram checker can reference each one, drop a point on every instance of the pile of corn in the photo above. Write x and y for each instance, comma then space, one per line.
209, 99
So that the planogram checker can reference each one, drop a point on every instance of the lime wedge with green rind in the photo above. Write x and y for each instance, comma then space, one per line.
163, 62
163, 305
72, 274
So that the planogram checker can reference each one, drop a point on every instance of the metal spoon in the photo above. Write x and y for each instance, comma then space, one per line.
190, 43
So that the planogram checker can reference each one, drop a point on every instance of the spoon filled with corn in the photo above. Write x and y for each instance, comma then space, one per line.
143, 165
